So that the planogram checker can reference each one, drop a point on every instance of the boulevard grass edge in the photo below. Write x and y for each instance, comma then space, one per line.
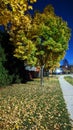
32, 107
69, 79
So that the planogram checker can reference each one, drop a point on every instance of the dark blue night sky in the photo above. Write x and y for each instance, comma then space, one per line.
64, 9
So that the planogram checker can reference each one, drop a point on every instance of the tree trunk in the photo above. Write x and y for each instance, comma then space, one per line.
41, 75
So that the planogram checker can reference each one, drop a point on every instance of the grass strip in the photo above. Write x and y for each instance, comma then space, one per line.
69, 79
33, 107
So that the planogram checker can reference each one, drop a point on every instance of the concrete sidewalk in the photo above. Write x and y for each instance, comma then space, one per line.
67, 90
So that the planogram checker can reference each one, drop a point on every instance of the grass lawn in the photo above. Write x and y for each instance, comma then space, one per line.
33, 107
69, 79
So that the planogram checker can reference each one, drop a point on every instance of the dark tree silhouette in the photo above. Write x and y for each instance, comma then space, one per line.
14, 66
65, 63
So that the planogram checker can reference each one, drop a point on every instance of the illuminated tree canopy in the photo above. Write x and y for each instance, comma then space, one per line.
51, 35
39, 39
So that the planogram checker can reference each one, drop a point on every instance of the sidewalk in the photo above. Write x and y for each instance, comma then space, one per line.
67, 90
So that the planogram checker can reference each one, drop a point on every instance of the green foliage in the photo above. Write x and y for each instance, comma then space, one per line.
35, 38
51, 35
2, 55
40, 40
11, 68
17, 79
5, 79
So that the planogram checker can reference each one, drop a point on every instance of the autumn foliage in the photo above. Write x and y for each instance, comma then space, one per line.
28, 107
39, 40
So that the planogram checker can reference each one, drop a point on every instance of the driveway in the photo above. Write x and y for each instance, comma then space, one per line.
67, 90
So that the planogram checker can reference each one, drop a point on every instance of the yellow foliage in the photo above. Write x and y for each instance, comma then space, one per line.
25, 32
32, 1
30, 7
17, 9
28, 107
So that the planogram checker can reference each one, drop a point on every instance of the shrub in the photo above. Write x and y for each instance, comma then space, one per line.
5, 78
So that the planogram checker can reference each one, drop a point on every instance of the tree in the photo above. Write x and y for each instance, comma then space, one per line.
65, 63
51, 35
16, 21
66, 66
5, 78
37, 40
